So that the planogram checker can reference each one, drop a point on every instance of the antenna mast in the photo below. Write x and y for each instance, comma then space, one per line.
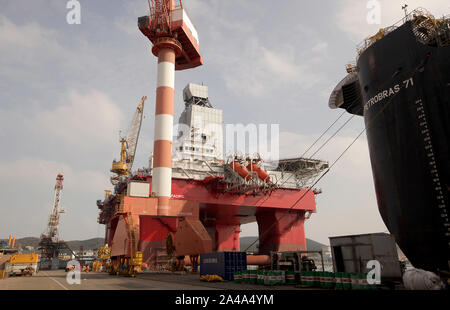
405, 8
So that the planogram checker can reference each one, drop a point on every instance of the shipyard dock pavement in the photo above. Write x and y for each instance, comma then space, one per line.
56, 280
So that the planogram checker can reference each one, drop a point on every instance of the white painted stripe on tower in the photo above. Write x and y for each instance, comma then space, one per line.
162, 181
166, 74
164, 127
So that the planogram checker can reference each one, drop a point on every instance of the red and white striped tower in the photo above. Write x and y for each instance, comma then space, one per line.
175, 43
167, 50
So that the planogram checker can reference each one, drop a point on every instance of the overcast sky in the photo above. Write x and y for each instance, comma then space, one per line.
67, 90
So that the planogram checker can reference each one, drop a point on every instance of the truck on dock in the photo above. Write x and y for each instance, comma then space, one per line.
22, 264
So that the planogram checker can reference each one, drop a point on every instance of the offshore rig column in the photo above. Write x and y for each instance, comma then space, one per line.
162, 162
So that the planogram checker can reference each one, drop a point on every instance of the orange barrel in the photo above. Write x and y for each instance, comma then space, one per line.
262, 174
240, 169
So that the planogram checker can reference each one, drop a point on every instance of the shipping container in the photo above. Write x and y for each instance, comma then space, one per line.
138, 189
223, 264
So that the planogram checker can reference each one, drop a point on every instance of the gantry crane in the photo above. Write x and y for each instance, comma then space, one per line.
128, 146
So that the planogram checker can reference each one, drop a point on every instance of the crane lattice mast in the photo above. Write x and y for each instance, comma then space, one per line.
133, 134
53, 222
129, 144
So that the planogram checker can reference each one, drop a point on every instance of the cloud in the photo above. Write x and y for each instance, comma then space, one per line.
320, 47
84, 117
251, 60
348, 202
351, 16
354, 165
11, 34
126, 25
82, 121
27, 197
260, 71
30, 44
35, 172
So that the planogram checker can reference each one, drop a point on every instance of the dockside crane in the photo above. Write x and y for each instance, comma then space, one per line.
50, 246
128, 146
53, 222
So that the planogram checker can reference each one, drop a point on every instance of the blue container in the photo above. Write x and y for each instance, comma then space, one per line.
223, 264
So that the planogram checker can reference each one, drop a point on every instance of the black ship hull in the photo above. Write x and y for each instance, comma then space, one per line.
404, 90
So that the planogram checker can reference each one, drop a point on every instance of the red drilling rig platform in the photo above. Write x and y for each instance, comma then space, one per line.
196, 202
210, 198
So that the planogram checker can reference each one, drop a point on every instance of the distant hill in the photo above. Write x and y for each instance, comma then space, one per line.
75, 245
247, 241
88, 244
95, 243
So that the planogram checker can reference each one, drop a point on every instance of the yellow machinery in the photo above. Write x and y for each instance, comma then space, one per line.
104, 256
135, 264
424, 27
104, 253
23, 264
137, 259
24, 259
128, 146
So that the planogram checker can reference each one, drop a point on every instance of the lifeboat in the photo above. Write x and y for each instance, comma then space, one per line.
208, 179
262, 174
240, 169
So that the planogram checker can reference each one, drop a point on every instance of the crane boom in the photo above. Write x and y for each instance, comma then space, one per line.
133, 134
128, 149
53, 221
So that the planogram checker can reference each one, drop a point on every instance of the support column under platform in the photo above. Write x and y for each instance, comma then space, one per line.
151, 229
225, 236
152, 238
125, 236
281, 231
